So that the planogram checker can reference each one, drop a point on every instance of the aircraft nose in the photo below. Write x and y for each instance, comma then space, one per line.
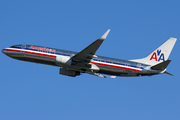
4, 51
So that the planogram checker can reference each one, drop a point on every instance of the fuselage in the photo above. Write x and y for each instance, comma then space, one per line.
106, 65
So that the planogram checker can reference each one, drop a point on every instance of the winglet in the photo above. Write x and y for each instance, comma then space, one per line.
105, 35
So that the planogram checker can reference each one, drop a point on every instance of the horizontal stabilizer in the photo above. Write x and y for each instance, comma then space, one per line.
168, 73
161, 66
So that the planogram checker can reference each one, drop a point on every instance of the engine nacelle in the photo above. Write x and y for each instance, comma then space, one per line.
68, 72
63, 60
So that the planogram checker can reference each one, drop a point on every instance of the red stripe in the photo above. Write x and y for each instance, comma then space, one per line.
30, 52
11, 50
115, 66
47, 55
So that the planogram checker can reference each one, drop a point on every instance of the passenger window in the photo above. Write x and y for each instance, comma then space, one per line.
23, 46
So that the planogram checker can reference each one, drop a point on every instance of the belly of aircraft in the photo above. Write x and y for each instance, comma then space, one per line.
124, 72
51, 61
32, 58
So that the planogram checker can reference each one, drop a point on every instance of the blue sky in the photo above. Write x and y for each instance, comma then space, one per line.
30, 91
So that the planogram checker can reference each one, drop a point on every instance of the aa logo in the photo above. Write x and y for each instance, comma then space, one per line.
157, 56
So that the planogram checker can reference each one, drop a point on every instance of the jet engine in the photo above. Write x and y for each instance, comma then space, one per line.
63, 60
68, 72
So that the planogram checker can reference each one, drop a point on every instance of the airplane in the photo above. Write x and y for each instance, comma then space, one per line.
86, 61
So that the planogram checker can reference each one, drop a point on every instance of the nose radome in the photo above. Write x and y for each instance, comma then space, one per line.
4, 51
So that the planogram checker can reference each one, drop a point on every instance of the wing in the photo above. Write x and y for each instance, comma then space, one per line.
89, 52
100, 75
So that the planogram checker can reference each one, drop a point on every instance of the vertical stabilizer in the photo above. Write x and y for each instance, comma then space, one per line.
160, 54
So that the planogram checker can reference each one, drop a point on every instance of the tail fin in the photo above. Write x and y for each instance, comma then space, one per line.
159, 55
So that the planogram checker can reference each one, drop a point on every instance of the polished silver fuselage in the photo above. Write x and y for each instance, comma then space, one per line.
110, 66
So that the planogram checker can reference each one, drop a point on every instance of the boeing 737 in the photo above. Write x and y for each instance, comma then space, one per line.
86, 61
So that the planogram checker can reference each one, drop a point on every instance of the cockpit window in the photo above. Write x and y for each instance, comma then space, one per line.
13, 46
